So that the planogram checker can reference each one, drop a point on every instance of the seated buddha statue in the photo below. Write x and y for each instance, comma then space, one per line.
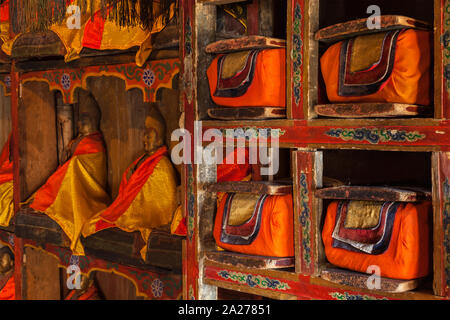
7, 285
75, 192
6, 185
147, 195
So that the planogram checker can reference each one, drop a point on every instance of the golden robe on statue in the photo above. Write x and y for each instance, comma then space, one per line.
6, 186
76, 191
146, 199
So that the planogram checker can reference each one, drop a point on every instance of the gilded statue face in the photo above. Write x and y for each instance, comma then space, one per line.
86, 124
151, 140
6, 263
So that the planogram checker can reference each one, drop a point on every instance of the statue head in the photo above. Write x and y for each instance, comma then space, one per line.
89, 114
154, 134
6, 260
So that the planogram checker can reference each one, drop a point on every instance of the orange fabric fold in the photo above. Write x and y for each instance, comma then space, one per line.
408, 254
410, 79
47, 194
128, 190
8, 292
230, 170
6, 166
268, 84
276, 234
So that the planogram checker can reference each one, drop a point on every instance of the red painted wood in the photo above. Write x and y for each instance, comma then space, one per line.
295, 57
305, 212
253, 18
300, 134
187, 47
442, 226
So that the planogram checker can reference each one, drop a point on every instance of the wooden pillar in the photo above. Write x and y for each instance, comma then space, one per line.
441, 230
307, 170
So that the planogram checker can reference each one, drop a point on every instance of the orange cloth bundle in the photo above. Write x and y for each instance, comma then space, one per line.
391, 235
391, 66
255, 78
256, 225
8, 292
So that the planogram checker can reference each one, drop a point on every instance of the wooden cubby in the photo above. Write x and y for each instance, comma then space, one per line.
395, 158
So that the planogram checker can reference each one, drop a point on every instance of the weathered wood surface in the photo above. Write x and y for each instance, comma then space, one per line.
258, 113
37, 137
245, 43
41, 277
359, 27
374, 193
37, 45
371, 110
33, 225
361, 281
249, 261
254, 187
219, 2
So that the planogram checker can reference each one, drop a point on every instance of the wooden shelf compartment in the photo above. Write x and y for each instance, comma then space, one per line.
219, 2
253, 187
244, 43
372, 110
369, 193
360, 281
250, 113
359, 27
249, 261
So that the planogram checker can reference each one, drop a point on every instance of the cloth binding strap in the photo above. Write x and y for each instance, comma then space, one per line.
371, 240
371, 80
238, 84
245, 233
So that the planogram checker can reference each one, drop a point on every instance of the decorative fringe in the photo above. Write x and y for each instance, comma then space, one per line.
39, 15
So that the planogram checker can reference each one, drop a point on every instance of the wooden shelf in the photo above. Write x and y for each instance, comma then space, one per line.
249, 261
359, 27
251, 113
244, 43
372, 110
219, 2
373, 193
360, 280
254, 187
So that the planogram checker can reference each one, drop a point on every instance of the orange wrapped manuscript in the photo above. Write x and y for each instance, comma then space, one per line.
391, 235
255, 78
391, 66
256, 225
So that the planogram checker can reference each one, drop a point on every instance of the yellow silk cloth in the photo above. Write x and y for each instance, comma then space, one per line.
153, 205
6, 203
108, 35
410, 79
76, 191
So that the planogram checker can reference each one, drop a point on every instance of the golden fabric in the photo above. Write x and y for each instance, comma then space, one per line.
234, 63
146, 200
108, 35
155, 203
82, 194
363, 214
6, 203
371, 45
242, 208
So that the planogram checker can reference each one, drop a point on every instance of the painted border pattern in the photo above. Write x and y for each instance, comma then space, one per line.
152, 76
375, 135
254, 281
